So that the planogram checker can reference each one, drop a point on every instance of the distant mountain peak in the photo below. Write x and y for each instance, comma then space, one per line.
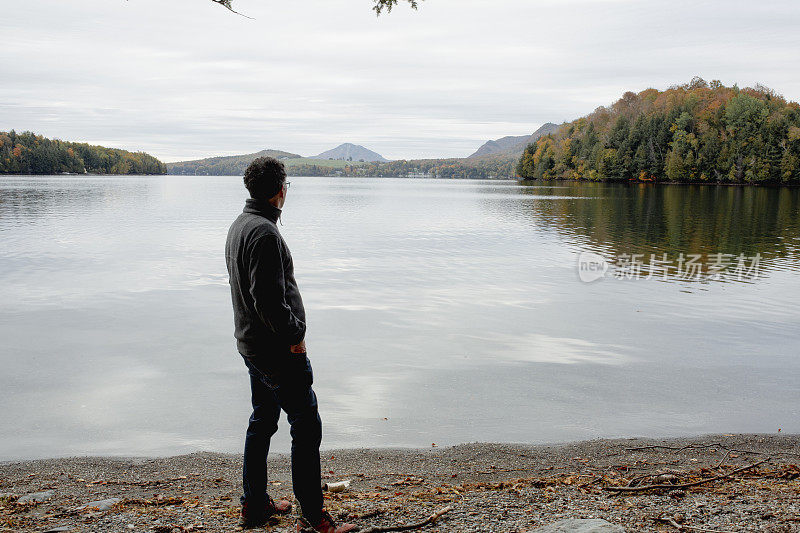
513, 145
351, 152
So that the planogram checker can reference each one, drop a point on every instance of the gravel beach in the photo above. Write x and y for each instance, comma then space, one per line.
491, 487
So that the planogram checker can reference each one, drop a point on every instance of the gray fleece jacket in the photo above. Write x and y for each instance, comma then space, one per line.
268, 312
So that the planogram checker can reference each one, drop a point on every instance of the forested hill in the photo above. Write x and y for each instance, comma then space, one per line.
698, 132
231, 165
28, 153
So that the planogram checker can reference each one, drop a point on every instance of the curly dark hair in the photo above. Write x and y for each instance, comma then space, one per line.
264, 178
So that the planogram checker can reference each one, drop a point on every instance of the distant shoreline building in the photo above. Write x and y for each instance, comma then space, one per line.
428, 175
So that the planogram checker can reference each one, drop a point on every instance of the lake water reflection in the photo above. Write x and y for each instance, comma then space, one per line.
439, 311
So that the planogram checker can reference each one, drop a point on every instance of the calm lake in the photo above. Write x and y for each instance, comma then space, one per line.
439, 312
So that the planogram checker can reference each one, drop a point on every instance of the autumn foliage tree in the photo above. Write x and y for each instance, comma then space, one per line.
697, 132
28, 153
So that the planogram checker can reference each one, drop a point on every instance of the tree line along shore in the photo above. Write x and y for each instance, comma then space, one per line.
697, 132
28, 153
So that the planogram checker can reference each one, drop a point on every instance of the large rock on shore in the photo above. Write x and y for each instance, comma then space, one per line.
36, 497
577, 525
101, 505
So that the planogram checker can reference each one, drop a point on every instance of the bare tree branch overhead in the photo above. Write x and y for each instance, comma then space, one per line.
379, 7
228, 5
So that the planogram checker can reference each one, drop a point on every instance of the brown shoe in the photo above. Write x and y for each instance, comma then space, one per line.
279, 507
253, 518
326, 524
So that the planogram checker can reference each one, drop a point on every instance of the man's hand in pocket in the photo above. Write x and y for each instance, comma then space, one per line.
298, 348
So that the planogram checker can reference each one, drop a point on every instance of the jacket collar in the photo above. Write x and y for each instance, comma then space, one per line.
262, 208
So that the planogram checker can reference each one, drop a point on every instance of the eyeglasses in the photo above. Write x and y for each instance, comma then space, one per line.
287, 184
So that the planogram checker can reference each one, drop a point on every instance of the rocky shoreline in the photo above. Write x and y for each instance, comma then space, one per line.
705, 483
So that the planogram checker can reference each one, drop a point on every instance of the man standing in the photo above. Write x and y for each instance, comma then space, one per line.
270, 327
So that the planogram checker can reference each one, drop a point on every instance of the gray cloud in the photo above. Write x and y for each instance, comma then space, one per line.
187, 79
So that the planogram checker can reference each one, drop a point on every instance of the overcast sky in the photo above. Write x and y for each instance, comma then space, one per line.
185, 79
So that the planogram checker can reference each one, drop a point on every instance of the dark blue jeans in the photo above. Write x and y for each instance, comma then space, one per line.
283, 382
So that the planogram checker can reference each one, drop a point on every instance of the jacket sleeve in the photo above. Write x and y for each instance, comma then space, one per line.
268, 286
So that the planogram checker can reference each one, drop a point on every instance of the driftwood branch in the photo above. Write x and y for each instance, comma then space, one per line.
685, 485
680, 527
722, 460
704, 446
419, 525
